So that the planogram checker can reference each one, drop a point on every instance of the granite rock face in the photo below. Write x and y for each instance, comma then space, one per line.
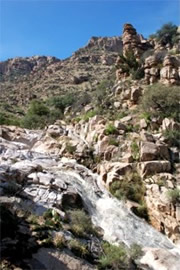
170, 73
132, 41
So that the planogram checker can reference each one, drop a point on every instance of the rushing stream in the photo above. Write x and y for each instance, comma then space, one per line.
119, 223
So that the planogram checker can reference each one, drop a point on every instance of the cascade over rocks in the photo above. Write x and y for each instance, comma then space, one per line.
50, 182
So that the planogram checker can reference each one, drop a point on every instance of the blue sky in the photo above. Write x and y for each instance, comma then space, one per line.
58, 28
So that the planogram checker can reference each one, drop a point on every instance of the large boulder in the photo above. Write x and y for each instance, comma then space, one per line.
169, 74
148, 151
154, 166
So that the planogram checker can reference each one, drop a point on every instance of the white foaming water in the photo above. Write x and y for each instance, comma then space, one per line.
119, 223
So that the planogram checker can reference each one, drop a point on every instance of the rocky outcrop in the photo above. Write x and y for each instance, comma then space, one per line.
170, 73
44, 180
164, 215
113, 44
23, 66
132, 42
151, 70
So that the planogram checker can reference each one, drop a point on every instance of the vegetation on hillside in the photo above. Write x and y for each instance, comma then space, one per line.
161, 101
167, 34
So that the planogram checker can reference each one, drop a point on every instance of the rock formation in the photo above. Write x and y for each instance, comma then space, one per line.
170, 73
151, 70
131, 41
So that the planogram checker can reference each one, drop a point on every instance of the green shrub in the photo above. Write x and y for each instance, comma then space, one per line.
114, 257
138, 73
9, 119
110, 129
135, 150
80, 223
61, 102
167, 34
78, 248
161, 101
36, 116
38, 108
135, 251
70, 148
113, 141
146, 116
59, 241
174, 195
131, 188
52, 219
89, 115
173, 137
141, 211
131, 66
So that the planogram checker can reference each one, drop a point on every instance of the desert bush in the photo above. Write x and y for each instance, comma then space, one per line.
59, 241
70, 148
141, 211
113, 141
138, 73
61, 102
89, 115
135, 251
80, 223
38, 108
78, 248
110, 129
174, 195
114, 257
161, 101
131, 66
173, 137
36, 116
9, 119
135, 150
131, 188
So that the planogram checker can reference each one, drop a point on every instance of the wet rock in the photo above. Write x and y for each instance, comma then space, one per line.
71, 199
55, 131
161, 259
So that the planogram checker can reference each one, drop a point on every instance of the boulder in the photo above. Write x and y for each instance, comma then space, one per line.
55, 131
110, 172
152, 167
53, 259
148, 151
160, 259
136, 92
71, 199
170, 124
119, 125
169, 74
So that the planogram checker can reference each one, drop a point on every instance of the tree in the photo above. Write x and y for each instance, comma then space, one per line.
167, 34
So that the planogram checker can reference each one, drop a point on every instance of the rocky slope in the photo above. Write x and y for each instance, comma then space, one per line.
23, 79
111, 165
41, 180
